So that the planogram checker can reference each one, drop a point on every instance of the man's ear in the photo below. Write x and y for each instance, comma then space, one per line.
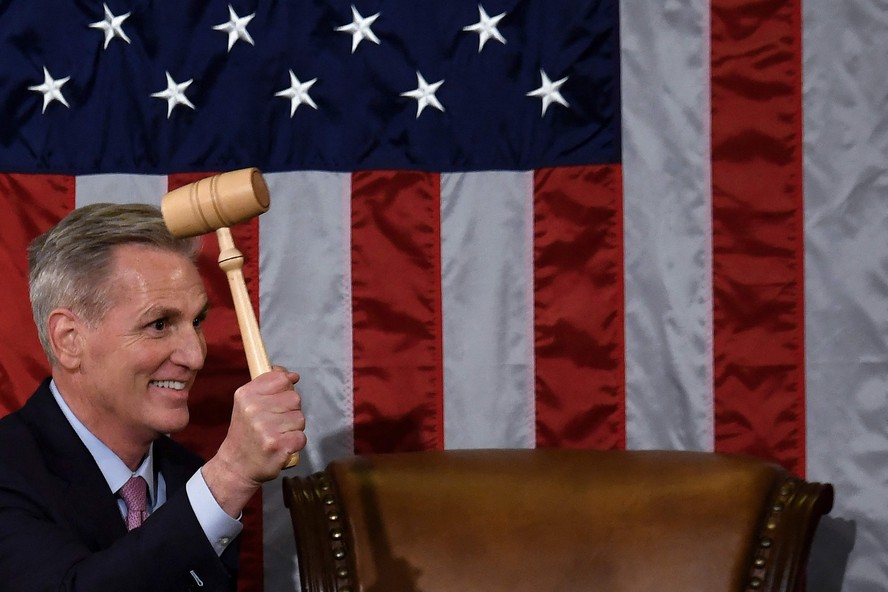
65, 338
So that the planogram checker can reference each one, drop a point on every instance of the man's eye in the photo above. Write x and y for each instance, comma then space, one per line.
159, 324
199, 320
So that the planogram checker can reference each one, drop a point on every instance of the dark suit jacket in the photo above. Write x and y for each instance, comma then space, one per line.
60, 526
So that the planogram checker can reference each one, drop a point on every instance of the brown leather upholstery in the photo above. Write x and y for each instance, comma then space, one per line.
553, 520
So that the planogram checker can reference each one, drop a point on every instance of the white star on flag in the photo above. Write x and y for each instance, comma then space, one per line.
112, 26
51, 89
174, 94
236, 27
424, 93
549, 92
298, 93
486, 28
360, 28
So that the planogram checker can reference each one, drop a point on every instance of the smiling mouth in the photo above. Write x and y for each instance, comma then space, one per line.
176, 385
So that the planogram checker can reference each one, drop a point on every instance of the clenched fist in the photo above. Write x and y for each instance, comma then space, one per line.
267, 427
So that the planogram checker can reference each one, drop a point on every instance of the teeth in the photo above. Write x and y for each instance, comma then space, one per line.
171, 384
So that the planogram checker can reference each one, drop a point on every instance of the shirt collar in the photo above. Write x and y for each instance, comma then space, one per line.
114, 470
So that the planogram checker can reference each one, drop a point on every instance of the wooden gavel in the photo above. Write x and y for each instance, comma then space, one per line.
215, 204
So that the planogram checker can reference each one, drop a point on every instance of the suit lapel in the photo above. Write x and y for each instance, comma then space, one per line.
80, 482
77, 481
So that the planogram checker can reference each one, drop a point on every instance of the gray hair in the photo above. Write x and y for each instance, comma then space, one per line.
70, 264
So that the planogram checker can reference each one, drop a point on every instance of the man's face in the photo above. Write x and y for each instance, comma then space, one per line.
140, 361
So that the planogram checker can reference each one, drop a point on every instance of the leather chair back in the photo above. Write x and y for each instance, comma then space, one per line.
551, 520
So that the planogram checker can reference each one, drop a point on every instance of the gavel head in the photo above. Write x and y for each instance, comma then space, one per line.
215, 202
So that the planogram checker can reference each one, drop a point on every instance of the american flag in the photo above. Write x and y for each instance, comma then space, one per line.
517, 223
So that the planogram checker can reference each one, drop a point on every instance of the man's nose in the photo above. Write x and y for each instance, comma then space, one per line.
190, 350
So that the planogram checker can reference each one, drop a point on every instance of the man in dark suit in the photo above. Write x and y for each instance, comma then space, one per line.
118, 304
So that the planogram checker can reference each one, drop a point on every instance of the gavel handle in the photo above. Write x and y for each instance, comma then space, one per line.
231, 261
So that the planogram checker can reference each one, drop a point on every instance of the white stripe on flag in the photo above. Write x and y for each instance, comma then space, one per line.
846, 328
667, 218
305, 291
487, 309
120, 188
305, 316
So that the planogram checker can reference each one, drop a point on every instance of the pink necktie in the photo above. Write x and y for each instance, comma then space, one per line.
134, 493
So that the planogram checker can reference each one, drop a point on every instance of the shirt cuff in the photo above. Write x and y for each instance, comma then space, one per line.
219, 527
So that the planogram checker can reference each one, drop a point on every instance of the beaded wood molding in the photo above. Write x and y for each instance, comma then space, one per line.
782, 537
329, 561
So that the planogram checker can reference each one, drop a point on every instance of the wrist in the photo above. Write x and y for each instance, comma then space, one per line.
231, 490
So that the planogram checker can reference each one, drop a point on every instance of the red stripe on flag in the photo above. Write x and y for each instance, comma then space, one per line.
225, 370
758, 283
396, 316
24, 363
578, 307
